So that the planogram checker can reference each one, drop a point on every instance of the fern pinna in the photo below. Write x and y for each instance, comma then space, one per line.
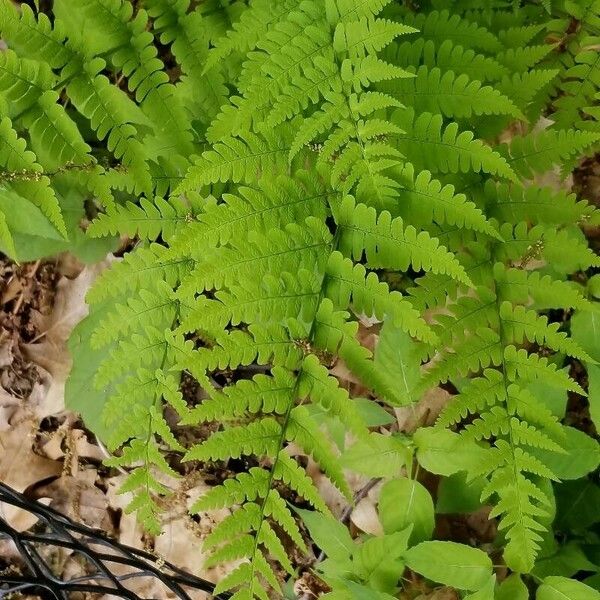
297, 154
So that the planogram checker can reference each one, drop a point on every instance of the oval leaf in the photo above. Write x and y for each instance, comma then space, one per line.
561, 588
457, 565
403, 502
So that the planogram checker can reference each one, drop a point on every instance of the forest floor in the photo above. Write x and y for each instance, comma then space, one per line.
47, 453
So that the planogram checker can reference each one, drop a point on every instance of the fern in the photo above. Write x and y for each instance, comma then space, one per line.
539, 152
286, 171
458, 97
446, 149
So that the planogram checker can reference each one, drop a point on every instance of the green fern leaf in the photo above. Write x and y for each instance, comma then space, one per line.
538, 152
446, 150
238, 160
433, 90
386, 243
29, 181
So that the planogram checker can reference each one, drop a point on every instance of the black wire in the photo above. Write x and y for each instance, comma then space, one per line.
98, 551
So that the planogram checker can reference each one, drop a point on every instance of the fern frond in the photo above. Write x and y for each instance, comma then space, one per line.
519, 36
441, 25
189, 34
254, 22
456, 96
262, 394
350, 284
147, 263
335, 334
523, 88
539, 152
517, 203
149, 219
324, 390
523, 58
254, 209
23, 81
446, 56
34, 185
241, 159
386, 243
303, 430
112, 116
156, 305
259, 438
520, 323
264, 344
33, 37
424, 199
275, 251
531, 367
446, 149
523, 287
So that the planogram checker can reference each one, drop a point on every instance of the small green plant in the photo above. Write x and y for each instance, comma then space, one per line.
289, 168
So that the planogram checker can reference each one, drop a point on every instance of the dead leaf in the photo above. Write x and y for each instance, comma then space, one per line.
49, 350
425, 412
365, 516
21, 467
6, 355
77, 498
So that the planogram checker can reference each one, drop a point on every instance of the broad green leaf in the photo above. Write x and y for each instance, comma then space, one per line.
512, 588
356, 591
377, 561
582, 456
19, 220
594, 393
485, 593
397, 355
585, 329
561, 588
566, 561
378, 456
33, 243
24, 217
456, 494
6, 240
328, 534
552, 397
593, 286
405, 502
81, 395
336, 569
578, 504
449, 563
443, 452
372, 413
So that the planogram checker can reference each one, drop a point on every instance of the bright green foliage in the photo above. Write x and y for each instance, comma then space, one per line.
290, 169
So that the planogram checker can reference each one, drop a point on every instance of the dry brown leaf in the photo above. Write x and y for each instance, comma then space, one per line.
365, 516
425, 412
21, 467
49, 351
8, 406
77, 498
444, 593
